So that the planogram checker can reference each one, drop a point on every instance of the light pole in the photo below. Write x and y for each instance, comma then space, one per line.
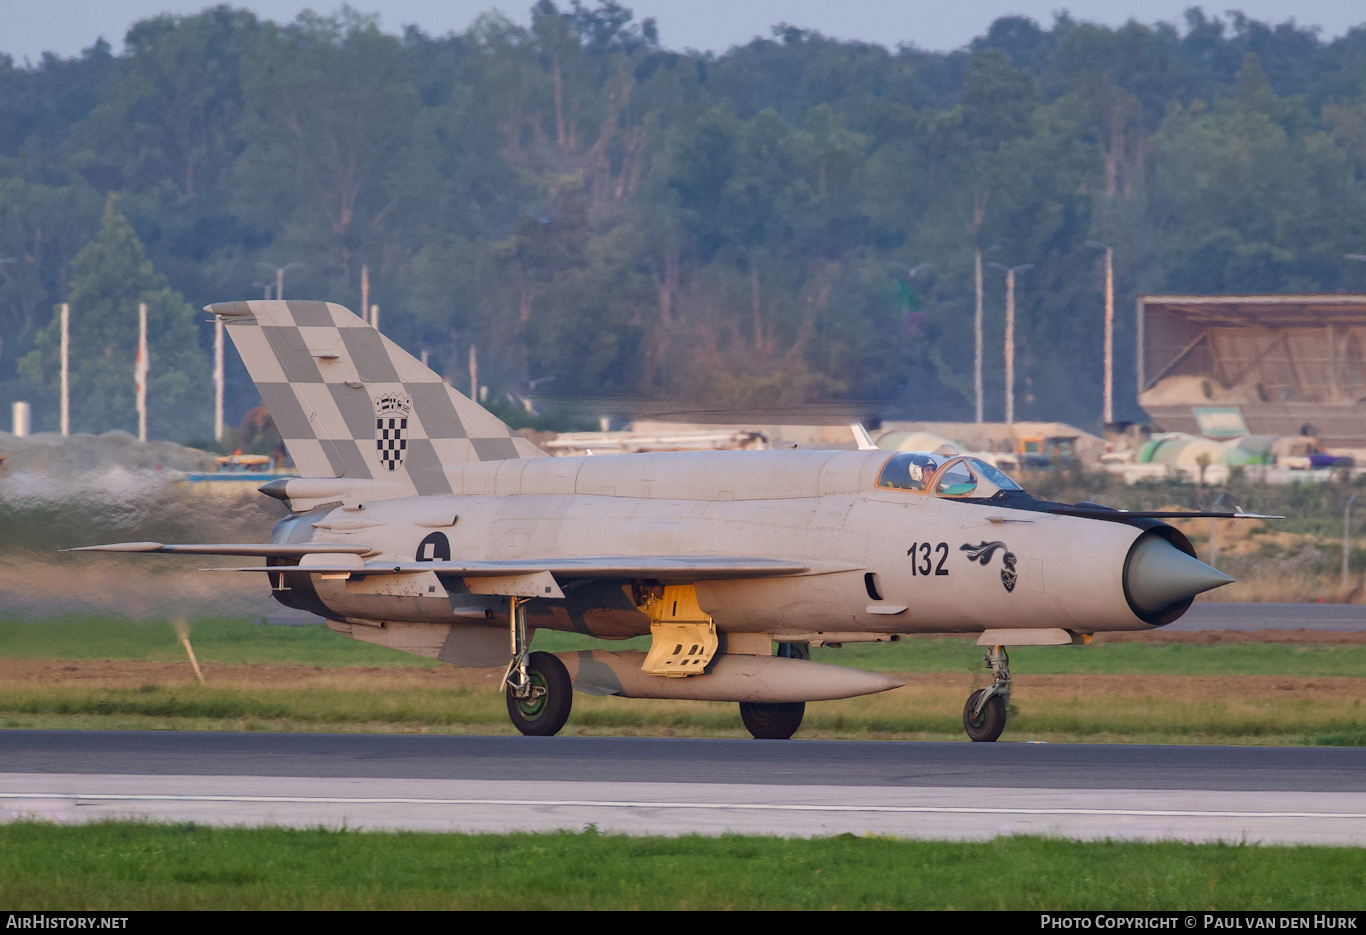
66, 368
218, 379
977, 329
280, 275
1010, 336
977, 335
1108, 413
141, 368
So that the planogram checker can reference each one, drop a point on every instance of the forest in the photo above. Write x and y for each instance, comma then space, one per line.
793, 223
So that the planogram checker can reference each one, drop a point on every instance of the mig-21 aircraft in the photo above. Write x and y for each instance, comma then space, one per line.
421, 522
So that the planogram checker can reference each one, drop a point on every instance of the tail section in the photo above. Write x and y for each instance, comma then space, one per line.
351, 403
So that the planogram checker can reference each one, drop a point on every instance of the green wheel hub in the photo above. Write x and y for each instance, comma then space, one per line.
533, 707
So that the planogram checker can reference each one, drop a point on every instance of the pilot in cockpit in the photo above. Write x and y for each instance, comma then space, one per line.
908, 471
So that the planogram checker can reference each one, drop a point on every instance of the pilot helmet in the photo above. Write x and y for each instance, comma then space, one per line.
921, 468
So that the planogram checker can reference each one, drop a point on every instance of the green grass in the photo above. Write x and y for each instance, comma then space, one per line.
354, 686
933, 654
917, 712
226, 641
260, 707
137, 866
239, 641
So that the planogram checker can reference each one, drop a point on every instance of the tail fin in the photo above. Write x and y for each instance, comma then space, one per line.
351, 403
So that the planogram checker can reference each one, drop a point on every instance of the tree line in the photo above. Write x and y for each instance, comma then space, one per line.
794, 221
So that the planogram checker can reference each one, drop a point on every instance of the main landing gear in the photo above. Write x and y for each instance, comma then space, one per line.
984, 716
779, 720
539, 690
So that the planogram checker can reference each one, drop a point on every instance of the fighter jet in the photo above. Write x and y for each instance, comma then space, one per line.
421, 522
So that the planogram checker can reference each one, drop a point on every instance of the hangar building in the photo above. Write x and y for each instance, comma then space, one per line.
1226, 365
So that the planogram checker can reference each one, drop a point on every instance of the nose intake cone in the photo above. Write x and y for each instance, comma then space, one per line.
1158, 575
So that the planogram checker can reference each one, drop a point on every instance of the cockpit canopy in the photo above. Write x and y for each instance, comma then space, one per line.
944, 475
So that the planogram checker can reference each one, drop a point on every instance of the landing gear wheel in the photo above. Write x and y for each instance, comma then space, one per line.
987, 725
552, 692
772, 721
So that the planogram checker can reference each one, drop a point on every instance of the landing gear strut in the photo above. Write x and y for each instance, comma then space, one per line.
984, 716
539, 690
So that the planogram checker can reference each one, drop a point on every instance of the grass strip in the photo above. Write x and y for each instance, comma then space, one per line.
308, 678
949, 654
224, 641
1047, 708
139, 866
234, 641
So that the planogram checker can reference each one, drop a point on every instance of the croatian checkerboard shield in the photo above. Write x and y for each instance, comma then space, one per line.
391, 429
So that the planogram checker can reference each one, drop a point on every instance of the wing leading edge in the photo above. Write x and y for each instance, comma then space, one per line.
262, 549
339, 557
664, 567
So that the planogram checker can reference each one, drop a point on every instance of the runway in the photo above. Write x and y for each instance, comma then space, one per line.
953, 791
1216, 615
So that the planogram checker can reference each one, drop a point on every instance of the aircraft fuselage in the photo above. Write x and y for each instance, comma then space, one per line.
883, 561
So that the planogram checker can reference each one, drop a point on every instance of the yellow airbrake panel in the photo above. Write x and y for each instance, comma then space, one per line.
683, 637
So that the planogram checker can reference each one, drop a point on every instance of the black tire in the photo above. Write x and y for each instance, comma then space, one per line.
772, 721
545, 715
987, 726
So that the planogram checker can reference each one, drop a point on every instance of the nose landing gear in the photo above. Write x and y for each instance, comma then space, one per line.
984, 716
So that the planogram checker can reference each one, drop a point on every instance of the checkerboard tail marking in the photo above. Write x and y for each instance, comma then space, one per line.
351, 403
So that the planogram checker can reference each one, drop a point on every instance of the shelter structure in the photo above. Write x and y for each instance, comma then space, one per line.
985, 437
1230, 365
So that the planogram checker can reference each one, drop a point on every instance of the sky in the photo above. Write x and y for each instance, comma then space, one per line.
65, 27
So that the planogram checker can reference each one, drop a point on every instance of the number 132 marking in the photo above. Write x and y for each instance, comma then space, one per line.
922, 562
